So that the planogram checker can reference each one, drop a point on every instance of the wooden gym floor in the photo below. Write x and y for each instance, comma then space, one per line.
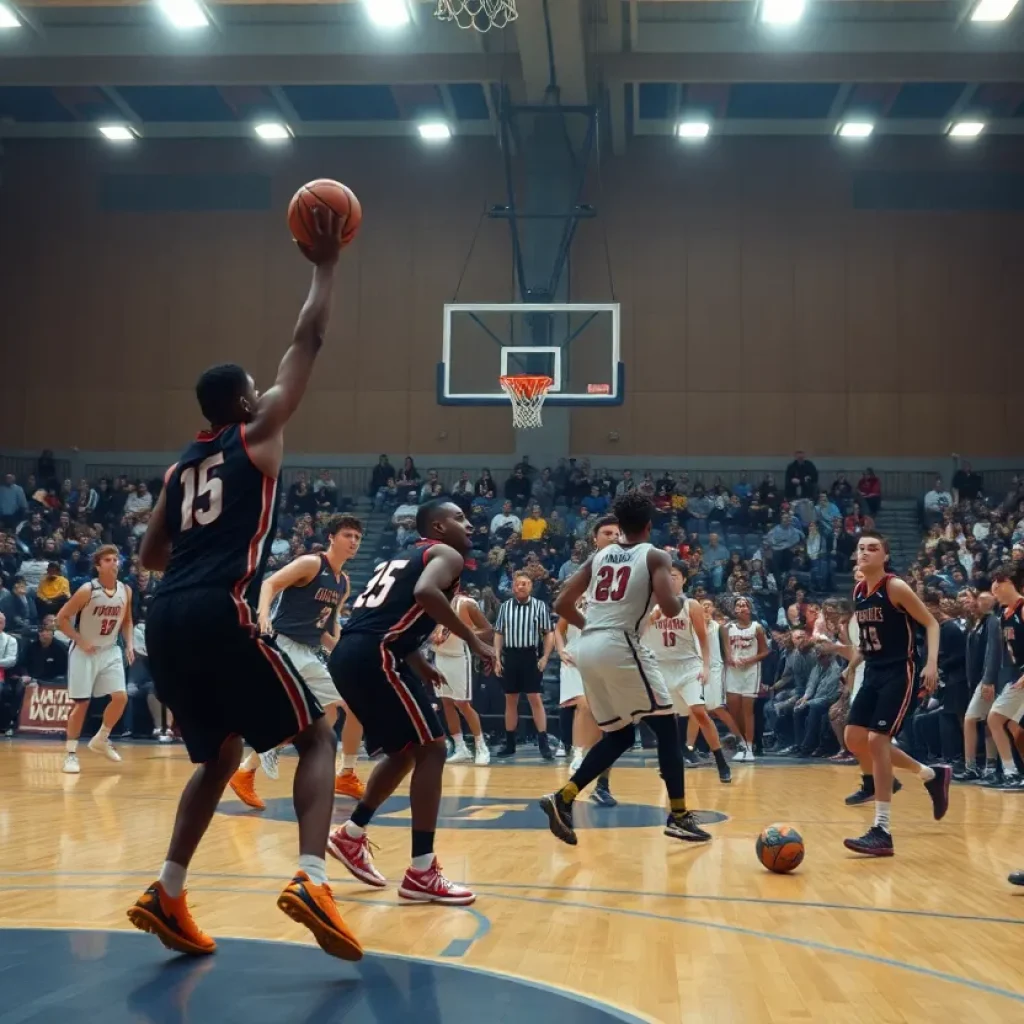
634, 925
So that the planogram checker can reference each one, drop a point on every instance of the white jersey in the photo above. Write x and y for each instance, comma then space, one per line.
715, 646
744, 680
450, 645
100, 620
673, 640
621, 593
858, 676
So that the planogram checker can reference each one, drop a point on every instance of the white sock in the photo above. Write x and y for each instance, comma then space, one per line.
926, 774
315, 868
1009, 767
103, 733
479, 741
354, 830
423, 862
250, 763
577, 751
71, 746
172, 878
348, 762
882, 814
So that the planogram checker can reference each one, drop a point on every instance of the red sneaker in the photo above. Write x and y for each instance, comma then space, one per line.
431, 886
355, 855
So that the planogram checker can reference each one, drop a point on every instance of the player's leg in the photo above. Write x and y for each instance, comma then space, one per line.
81, 675
746, 720
540, 721
481, 754
76, 719
1006, 708
461, 752
346, 781
511, 687
109, 681
682, 823
701, 720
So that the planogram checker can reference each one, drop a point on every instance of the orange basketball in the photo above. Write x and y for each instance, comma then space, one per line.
324, 192
780, 848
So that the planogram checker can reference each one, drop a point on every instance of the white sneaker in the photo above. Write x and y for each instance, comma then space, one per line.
157, 733
741, 755
71, 765
460, 755
560, 749
268, 762
105, 747
483, 755
750, 759
166, 737
578, 753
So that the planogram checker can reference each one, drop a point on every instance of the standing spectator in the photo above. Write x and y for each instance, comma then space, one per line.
967, 485
517, 488
817, 555
13, 504
53, 592
543, 491
869, 489
382, 473
626, 484
325, 490
523, 629
8, 659
801, 477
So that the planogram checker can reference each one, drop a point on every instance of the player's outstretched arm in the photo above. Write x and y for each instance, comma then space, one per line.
659, 565
572, 590
279, 403
903, 597
67, 615
155, 549
443, 568
295, 574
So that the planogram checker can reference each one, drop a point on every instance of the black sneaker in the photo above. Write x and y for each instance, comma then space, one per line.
993, 779
876, 842
1013, 782
938, 790
602, 795
545, 749
724, 773
506, 751
686, 827
1017, 878
867, 791
559, 817
969, 773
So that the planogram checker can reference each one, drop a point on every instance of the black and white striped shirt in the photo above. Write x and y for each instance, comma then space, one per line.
523, 624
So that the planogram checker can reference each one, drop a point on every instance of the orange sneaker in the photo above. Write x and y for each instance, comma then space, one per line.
170, 921
347, 784
243, 784
313, 906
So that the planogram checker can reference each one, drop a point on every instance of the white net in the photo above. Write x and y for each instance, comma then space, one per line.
527, 396
482, 15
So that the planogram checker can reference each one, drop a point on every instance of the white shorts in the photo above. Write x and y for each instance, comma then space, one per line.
1009, 703
744, 681
621, 678
714, 689
570, 682
681, 678
979, 708
457, 671
313, 671
95, 675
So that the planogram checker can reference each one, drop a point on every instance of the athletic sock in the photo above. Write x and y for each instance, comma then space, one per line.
422, 846
569, 792
315, 868
250, 763
172, 878
361, 816
423, 862
1009, 767
348, 762
479, 741
926, 774
566, 717
882, 814
677, 805
103, 732
458, 740
71, 746
353, 830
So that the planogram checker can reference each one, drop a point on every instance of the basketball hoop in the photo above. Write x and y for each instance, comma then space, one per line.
527, 395
482, 15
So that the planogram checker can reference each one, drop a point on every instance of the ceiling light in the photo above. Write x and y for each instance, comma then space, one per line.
856, 129
273, 131
434, 131
8, 19
782, 12
693, 129
184, 13
118, 132
966, 129
387, 13
993, 10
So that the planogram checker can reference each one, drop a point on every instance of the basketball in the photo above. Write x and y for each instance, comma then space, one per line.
780, 848
338, 198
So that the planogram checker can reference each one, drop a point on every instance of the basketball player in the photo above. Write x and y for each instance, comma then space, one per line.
621, 678
380, 671
455, 665
313, 590
885, 609
684, 657
1008, 707
225, 683
745, 648
714, 688
92, 618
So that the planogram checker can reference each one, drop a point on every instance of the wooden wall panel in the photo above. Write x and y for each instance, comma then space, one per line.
761, 310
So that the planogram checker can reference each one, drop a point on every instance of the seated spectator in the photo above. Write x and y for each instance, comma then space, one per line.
409, 476
841, 491
534, 526
558, 530
700, 505
646, 486
429, 487
742, 489
17, 608
33, 568
382, 473
32, 531
826, 512
279, 545
801, 477
967, 485
485, 486
570, 566
325, 491
463, 490
595, 502
10, 561
810, 712
505, 523
869, 490
8, 660
780, 542
53, 592
517, 488
581, 531
386, 496
13, 503
937, 501
41, 661
768, 494
626, 484
139, 499
663, 500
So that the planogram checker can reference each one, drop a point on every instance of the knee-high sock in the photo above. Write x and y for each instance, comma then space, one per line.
670, 760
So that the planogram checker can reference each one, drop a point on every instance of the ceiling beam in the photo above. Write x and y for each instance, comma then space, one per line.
235, 130
827, 126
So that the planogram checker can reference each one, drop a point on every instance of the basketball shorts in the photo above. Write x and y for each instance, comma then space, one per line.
744, 681
311, 668
682, 679
519, 672
570, 683
1010, 703
457, 672
714, 688
219, 677
95, 675
394, 706
621, 678
884, 698
979, 707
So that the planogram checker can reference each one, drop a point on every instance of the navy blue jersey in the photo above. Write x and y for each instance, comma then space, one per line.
886, 632
387, 608
1012, 622
303, 614
221, 512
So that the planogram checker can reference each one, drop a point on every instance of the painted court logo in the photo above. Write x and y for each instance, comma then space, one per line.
481, 812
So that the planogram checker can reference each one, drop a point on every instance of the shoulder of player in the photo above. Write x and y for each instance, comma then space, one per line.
897, 590
264, 447
656, 557
443, 551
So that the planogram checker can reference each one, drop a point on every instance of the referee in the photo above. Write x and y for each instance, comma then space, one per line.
523, 627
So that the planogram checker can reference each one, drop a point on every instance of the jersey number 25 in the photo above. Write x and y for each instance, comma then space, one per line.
380, 584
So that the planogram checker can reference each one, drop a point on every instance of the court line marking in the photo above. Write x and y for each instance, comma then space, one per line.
624, 1015
697, 897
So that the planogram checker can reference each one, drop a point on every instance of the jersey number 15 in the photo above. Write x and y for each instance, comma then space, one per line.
200, 488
